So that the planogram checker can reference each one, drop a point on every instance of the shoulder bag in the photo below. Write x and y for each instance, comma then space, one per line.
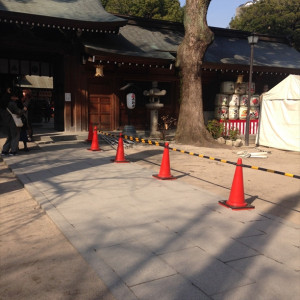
17, 119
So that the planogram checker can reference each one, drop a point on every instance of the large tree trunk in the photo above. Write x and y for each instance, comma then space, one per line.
191, 129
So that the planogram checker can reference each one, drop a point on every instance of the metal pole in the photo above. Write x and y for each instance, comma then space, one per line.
247, 129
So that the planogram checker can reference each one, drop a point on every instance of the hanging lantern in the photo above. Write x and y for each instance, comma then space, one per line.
99, 71
240, 79
130, 100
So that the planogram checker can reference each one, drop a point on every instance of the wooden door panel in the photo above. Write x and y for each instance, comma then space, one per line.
94, 106
105, 122
100, 111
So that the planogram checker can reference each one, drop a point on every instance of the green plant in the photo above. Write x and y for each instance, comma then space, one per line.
215, 128
233, 133
166, 123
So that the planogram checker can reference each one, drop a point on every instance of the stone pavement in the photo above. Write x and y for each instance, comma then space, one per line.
153, 239
36, 260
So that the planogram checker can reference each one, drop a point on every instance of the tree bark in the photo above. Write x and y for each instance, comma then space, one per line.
191, 128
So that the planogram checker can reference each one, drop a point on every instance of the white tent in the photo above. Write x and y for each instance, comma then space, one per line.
279, 124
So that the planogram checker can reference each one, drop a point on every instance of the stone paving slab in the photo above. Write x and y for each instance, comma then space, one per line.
274, 248
135, 264
205, 271
165, 242
220, 245
273, 280
150, 238
286, 234
167, 288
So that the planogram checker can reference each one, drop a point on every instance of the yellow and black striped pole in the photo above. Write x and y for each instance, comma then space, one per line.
155, 143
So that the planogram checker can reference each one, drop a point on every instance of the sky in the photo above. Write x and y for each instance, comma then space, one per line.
220, 12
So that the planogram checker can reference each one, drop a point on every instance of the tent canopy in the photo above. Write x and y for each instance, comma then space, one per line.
287, 89
279, 125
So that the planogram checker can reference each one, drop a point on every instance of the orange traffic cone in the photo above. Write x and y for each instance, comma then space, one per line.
120, 158
236, 198
90, 136
95, 144
165, 172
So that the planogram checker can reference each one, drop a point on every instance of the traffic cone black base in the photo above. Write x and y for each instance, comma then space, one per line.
248, 206
164, 178
120, 161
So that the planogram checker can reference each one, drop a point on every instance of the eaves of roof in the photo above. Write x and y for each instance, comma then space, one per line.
137, 43
236, 51
229, 47
73, 14
92, 49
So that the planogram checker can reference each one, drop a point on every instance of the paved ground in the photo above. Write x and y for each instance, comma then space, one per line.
36, 260
121, 233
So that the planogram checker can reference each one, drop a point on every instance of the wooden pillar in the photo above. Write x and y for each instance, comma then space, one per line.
58, 92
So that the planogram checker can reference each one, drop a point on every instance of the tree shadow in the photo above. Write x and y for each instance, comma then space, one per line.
219, 246
225, 272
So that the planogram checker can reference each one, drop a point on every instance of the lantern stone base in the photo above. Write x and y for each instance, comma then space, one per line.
154, 107
129, 130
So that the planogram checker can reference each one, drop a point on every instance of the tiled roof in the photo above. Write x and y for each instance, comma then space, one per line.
77, 12
230, 50
145, 38
153, 39
136, 42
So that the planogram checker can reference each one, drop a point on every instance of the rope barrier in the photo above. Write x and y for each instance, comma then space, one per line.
155, 143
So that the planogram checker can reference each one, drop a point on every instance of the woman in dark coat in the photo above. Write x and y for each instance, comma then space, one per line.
27, 96
12, 132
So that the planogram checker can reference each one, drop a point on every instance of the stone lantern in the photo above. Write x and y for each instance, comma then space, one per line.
154, 105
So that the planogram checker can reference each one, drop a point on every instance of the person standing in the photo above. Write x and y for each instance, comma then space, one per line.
27, 98
23, 130
12, 132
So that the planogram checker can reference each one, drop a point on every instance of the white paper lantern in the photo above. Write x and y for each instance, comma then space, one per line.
130, 100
